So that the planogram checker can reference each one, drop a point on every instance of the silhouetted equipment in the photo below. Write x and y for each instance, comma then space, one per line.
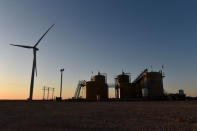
53, 90
80, 85
181, 92
149, 84
44, 88
177, 96
134, 83
124, 88
146, 85
34, 67
48, 93
97, 89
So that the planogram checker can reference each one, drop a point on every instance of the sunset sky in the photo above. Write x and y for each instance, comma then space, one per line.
96, 35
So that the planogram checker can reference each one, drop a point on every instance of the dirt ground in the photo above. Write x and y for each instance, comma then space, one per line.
58, 116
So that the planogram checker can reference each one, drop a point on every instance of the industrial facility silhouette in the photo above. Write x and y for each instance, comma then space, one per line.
146, 85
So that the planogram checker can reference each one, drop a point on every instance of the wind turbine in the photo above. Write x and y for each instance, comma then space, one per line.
34, 67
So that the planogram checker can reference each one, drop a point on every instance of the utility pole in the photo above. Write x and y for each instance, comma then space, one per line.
44, 88
48, 94
61, 70
53, 92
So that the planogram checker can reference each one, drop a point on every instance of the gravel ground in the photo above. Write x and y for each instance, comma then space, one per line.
58, 116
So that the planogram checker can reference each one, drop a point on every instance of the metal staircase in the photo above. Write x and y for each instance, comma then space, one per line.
78, 89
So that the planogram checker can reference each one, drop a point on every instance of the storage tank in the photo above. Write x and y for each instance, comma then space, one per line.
125, 90
90, 90
99, 78
97, 89
181, 92
123, 78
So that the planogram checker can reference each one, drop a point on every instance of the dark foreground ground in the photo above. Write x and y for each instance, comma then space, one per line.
49, 116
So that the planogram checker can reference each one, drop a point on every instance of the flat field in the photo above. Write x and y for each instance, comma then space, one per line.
58, 116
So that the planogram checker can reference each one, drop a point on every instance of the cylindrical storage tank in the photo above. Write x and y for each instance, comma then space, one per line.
125, 91
123, 78
99, 78
102, 91
90, 90
181, 92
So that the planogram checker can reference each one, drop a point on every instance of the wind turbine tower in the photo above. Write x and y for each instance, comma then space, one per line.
34, 67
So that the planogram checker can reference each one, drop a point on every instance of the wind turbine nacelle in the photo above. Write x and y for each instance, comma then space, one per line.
36, 49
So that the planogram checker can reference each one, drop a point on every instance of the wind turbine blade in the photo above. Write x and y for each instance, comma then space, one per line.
24, 46
43, 36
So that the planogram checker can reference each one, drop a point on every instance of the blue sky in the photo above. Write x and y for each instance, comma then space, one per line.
97, 35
